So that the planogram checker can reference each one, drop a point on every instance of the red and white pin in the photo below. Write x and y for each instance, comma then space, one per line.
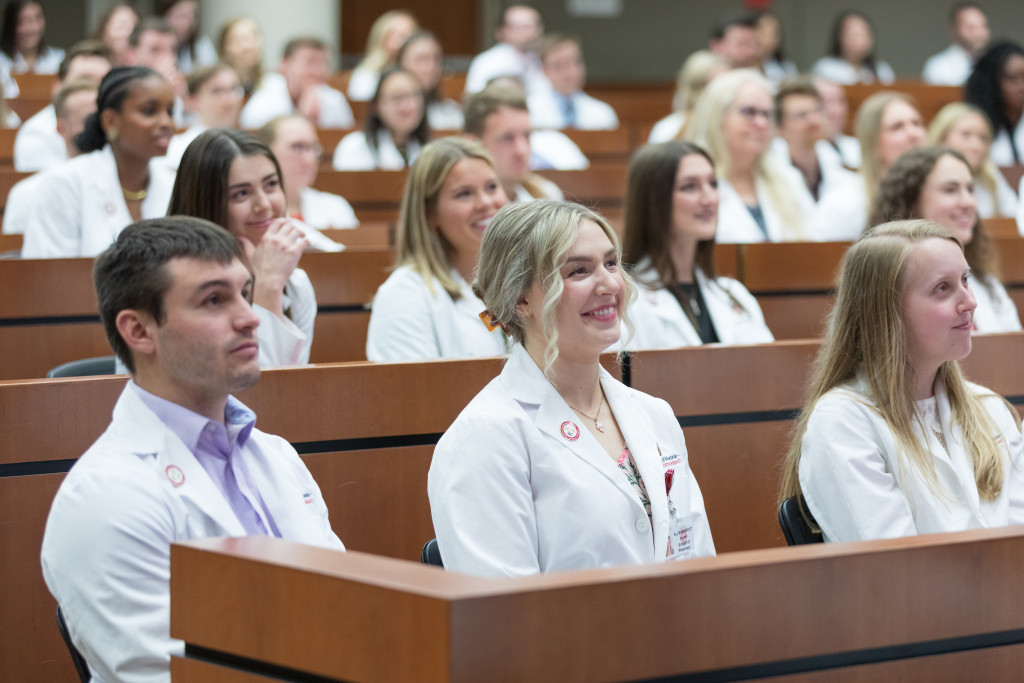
175, 475
570, 430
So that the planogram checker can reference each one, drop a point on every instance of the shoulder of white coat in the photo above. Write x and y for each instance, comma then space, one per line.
493, 416
846, 401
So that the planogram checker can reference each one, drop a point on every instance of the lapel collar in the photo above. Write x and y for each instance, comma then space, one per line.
665, 306
555, 419
957, 456
145, 435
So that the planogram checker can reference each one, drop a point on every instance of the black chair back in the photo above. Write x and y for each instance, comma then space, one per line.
87, 367
80, 666
431, 554
794, 523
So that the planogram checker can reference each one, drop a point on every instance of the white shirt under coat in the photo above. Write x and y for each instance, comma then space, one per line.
554, 150
411, 320
272, 99
952, 66
667, 128
504, 60
80, 209
659, 321
996, 311
512, 493
842, 72
857, 490
353, 153
37, 144
546, 111
106, 549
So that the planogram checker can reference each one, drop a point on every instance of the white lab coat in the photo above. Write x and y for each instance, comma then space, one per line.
667, 128
547, 188
511, 493
80, 209
353, 153
553, 149
856, 488
843, 151
411, 321
996, 311
362, 84
840, 71
271, 99
37, 144
444, 115
287, 342
180, 142
777, 72
1001, 153
987, 202
737, 225
20, 203
659, 321
591, 114
322, 210
106, 549
206, 54
47, 63
952, 66
504, 60
840, 212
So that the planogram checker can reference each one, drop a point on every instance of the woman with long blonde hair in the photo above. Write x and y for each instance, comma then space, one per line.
387, 35
887, 125
734, 122
893, 440
966, 129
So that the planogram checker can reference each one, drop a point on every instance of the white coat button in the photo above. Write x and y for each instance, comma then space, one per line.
643, 525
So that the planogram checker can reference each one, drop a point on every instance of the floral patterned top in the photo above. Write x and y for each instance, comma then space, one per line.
628, 467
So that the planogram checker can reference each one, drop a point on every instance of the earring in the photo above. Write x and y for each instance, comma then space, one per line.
112, 134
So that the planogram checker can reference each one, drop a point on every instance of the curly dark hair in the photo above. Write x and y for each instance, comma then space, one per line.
984, 91
900, 192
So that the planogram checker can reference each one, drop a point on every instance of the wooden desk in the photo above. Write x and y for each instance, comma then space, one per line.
883, 609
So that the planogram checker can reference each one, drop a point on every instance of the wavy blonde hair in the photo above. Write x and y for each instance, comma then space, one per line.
529, 242
376, 57
705, 129
867, 128
866, 337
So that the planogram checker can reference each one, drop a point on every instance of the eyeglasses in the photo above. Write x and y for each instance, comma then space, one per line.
236, 93
402, 98
803, 115
753, 113
306, 148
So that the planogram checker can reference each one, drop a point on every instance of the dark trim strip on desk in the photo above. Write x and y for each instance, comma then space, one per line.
794, 292
343, 308
22, 469
888, 653
365, 443
49, 320
737, 418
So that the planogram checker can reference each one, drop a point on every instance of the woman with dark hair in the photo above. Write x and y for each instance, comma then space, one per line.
23, 47
851, 57
194, 50
114, 28
86, 202
670, 224
421, 56
996, 86
396, 127
774, 64
937, 184
232, 179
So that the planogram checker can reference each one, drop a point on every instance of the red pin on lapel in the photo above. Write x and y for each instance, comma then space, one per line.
570, 431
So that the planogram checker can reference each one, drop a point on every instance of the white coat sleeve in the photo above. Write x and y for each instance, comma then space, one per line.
106, 557
846, 481
402, 326
481, 500
55, 229
286, 341
1007, 421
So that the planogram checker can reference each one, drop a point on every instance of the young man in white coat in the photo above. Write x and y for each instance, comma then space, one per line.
564, 104
181, 458
968, 28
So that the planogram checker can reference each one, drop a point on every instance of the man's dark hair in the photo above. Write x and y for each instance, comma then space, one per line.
83, 48
295, 44
132, 272
157, 24
742, 19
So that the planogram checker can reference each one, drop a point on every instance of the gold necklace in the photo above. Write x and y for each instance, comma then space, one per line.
133, 196
597, 423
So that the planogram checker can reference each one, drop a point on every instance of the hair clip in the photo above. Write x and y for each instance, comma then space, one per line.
490, 321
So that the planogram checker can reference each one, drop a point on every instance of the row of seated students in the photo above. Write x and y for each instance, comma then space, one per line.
554, 465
